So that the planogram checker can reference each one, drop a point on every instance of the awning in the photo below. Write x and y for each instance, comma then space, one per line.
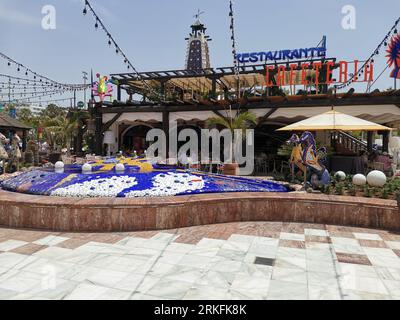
334, 120
134, 116
381, 114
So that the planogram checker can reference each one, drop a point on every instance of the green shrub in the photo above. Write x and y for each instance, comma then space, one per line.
353, 191
327, 189
385, 194
340, 189
367, 192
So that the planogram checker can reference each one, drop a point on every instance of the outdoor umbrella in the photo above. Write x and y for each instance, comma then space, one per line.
334, 120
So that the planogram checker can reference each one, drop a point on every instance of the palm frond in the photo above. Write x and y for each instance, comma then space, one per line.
219, 121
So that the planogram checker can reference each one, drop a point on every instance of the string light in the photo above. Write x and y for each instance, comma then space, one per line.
371, 58
40, 77
234, 52
118, 50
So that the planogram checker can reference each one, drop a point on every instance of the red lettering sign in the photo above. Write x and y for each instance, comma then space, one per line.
324, 73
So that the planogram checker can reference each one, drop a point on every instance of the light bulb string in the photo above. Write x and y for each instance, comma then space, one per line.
118, 48
35, 74
370, 59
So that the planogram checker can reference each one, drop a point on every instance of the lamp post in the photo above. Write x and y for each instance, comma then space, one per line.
109, 140
85, 78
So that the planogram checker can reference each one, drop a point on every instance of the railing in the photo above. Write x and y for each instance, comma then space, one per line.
348, 141
263, 167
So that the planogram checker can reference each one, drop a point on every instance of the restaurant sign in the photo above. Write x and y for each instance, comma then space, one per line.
318, 73
284, 55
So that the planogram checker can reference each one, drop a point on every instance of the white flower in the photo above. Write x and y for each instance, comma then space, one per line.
103, 187
170, 184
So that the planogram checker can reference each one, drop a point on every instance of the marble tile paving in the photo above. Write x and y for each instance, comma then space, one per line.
246, 261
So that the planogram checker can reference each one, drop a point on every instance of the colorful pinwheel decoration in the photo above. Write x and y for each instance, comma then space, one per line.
394, 56
103, 87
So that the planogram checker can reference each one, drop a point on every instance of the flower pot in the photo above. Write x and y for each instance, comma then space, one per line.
231, 169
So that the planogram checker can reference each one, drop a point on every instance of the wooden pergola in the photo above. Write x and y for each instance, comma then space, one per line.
192, 86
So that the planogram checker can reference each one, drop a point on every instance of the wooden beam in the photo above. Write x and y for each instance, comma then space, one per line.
265, 104
107, 125
219, 114
269, 113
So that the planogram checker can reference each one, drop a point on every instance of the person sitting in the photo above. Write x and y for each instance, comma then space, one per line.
385, 160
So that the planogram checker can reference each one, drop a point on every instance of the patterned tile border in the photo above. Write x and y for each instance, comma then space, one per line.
105, 215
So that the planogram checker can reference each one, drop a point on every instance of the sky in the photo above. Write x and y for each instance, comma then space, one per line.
152, 33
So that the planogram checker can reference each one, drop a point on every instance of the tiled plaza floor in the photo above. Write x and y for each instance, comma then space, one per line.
252, 260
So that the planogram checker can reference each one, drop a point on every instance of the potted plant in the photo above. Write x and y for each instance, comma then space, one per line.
241, 121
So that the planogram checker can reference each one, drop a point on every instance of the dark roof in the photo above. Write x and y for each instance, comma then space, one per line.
7, 122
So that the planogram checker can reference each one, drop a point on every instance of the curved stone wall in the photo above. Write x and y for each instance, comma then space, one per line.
123, 214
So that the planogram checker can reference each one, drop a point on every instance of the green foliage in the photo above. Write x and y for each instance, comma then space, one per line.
58, 126
52, 111
385, 193
285, 150
26, 116
340, 189
328, 189
353, 191
367, 192
242, 121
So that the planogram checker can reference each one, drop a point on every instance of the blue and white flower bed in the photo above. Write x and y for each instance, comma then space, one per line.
160, 182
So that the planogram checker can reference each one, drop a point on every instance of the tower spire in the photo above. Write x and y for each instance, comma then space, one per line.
197, 57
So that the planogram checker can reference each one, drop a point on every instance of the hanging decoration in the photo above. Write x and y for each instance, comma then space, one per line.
103, 87
394, 56
38, 78
371, 59
111, 42
234, 51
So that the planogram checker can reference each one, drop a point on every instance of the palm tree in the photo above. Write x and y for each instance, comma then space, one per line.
60, 131
242, 121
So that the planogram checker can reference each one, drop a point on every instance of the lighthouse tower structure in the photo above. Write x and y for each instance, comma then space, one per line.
197, 56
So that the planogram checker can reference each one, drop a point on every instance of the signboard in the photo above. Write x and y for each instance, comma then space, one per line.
283, 55
393, 55
318, 73
81, 105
